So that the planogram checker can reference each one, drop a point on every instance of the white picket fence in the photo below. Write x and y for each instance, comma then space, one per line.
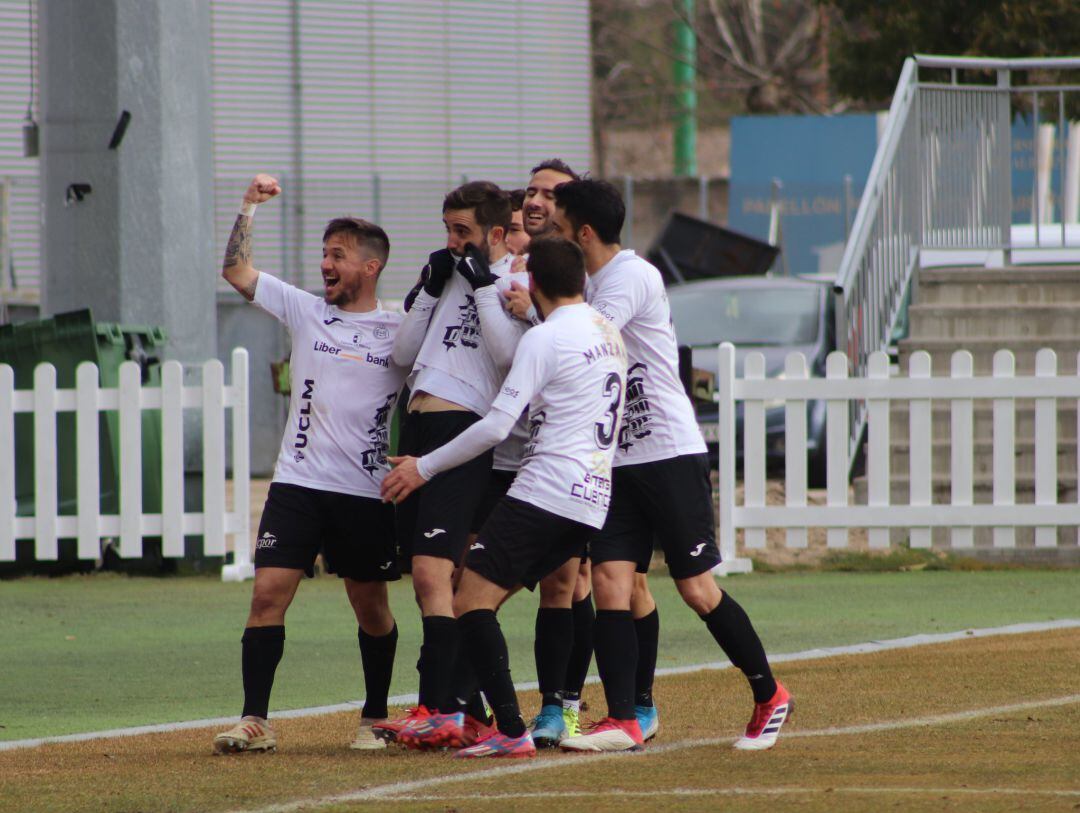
89, 526
920, 515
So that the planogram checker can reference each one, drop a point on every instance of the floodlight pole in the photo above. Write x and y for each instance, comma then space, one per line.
685, 74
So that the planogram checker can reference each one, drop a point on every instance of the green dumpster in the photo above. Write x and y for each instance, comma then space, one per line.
66, 341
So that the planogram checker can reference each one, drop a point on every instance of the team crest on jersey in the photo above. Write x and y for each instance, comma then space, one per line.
374, 458
637, 414
381, 332
466, 331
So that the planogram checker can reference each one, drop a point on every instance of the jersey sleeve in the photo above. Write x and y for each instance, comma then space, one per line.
410, 333
285, 302
534, 364
502, 332
621, 302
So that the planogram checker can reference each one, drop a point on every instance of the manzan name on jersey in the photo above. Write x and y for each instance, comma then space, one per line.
602, 351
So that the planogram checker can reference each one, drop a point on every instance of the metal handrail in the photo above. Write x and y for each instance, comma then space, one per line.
996, 64
941, 179
901, 105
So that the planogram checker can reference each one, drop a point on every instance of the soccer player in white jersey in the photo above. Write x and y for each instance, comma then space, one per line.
661, 484
325, 491
455, 339
563, 639
570, 371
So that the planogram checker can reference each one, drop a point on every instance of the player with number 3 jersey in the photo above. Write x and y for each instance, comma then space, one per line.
570, 370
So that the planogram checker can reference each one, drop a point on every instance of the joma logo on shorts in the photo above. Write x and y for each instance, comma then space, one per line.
303, 423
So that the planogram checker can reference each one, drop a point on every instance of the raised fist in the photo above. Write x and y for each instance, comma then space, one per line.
262, 188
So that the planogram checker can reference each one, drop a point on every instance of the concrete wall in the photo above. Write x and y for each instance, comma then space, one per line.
241, 324
137, 248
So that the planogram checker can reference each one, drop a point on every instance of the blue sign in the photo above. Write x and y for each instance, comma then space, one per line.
810, 155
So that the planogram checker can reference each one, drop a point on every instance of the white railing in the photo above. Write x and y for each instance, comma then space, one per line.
88, 526
941, 184
960, 515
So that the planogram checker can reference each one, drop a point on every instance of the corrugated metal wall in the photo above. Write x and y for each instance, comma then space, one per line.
397, 101
20, 174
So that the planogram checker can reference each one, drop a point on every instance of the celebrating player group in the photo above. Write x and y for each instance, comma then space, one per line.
546, 442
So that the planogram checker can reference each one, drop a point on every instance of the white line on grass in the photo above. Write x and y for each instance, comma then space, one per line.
398, 791
789, 791
906, 642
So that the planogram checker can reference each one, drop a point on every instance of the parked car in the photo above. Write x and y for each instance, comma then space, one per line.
771, 315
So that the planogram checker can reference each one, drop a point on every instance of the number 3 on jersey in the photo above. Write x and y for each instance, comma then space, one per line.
605, 429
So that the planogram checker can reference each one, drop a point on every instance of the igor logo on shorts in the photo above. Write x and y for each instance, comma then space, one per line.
267, 540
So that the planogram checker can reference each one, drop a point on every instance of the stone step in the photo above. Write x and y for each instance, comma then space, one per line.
983, 417
1009, 321
982, 349
1018, 285
983, 457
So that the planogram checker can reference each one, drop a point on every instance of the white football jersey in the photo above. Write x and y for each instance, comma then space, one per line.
508, 454
344, 388
658, 421
570, 370
454, 361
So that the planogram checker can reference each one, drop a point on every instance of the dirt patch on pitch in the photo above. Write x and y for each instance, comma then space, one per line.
932, 767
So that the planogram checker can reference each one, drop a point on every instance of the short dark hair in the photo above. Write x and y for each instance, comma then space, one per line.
517, 199
594, 203
491, 204
557, 267
557, 164
364, 233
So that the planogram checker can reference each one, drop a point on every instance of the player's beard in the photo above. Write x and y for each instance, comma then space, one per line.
542, 230
482, 247
345, 292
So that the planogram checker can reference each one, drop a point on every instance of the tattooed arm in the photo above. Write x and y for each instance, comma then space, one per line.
237, 267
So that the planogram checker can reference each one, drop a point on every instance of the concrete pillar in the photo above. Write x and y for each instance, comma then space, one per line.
138, 246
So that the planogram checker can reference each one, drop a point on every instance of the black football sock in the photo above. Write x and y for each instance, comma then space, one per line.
616, 660
262, 648
377, 656
582, 651
554, 639
475, 707
437, 657
462, 686
648, 641
731, 627
482, 639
